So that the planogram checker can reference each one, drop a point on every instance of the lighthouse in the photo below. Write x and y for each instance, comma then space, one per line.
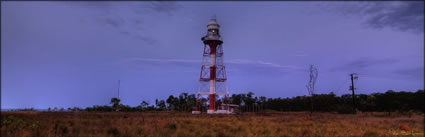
212, 81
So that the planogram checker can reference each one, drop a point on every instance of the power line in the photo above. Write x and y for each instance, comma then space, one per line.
341, 85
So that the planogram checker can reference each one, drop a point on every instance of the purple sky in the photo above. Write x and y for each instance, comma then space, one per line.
66, 54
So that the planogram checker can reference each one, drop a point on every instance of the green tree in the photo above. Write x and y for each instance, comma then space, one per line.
161, 105
144, 104
172, 102
236, 99
115, 103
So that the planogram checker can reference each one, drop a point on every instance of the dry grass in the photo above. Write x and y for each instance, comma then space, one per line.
51, 124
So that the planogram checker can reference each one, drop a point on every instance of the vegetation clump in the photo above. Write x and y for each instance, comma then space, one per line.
188, 125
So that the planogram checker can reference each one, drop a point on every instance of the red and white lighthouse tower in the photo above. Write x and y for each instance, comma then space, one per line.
212, 80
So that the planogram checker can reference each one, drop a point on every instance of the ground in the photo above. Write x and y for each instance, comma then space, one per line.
102, 124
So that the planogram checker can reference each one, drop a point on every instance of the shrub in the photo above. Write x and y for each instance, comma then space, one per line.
370, 134
221, 134
64, 130
171, 126
342, 109
140, 131
113, 131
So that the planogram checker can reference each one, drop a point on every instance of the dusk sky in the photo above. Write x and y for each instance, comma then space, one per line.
66, 54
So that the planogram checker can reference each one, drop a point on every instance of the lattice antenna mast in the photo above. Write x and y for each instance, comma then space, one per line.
119, 85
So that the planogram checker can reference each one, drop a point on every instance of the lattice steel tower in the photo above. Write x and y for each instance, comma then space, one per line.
212, 80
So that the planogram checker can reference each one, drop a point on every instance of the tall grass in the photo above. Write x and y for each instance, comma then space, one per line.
113, 124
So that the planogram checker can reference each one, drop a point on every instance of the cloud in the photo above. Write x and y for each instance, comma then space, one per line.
137, 7
112, 22
364, 63
403, 16
165, 7
417, 72
260, 62
166, 60
130, 18
231, 61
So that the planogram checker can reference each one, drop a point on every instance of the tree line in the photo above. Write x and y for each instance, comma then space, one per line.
390, 101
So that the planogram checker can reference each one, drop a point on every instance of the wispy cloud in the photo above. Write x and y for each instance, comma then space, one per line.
166, 60
417, 72
129, 18
114, 22
403, 16
164, 7
364, 63
230, 61
260, 62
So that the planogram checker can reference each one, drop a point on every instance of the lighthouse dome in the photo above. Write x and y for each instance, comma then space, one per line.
212, 24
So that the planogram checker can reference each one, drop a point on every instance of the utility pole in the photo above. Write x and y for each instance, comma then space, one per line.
119, 82
352, 88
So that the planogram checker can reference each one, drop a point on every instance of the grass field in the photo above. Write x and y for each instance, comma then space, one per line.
55, 124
